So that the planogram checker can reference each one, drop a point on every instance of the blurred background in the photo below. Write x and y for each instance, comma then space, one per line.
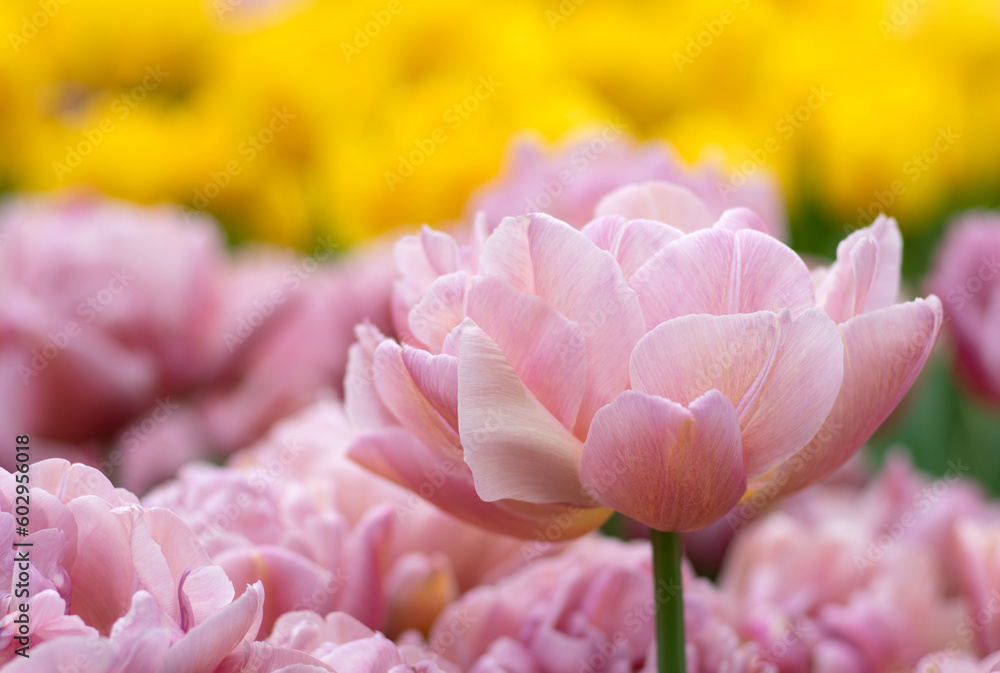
288, 120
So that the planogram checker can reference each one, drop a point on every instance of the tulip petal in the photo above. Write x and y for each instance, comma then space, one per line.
362, 404
721, 272
439, 310
665, 202
506, 255
547, 351
513, 445
448, 484
884, 352
667, 466
631, 243
735, 219
427, 255
289, 580
585, 284
865, 276
436, 376
206, 645
403, 397
782, 375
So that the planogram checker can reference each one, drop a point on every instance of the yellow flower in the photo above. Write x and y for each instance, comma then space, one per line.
351, 118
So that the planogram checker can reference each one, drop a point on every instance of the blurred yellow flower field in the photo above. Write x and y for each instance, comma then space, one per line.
287, 119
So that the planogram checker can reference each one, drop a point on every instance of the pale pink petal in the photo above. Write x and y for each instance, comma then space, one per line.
865, 276
506, 255
735, 219
369, 655
884, 352
631, 243
513, 445
781, 375
65, 654
264, 658
287, 579
427, 255
206, 645
362, 404
640, 241
667, 466
360, 577
547, 351
585, 284
103, 573
401, 395
439, 310
448, 484
657, 200
718, 271
437, 378
606, 232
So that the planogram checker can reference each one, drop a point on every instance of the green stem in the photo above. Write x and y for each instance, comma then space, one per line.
669, 595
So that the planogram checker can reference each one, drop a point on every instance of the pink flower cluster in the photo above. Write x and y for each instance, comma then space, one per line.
897, 574
417, 459
131, 340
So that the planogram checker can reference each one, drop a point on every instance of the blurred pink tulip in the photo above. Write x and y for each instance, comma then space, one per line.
130, 339
588, 609
103, 307
603, 171
94, 551
550, 373
967, 274
142, 640
324, 534
848, 578
342, 642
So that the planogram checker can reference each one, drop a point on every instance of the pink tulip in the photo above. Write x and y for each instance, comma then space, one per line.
560, 372
342, 642
97, 556
967, 274
589, 609
979, 571
105, 306
848, 578
571, 180
144, 640
324, 534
